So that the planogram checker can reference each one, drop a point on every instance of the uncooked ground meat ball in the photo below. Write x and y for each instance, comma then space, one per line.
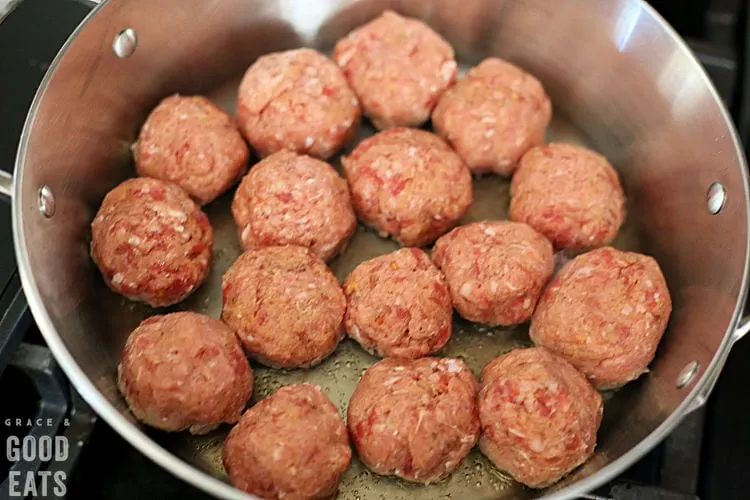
539, 416
570, 194
297, 100
415, 419
151, 242
285, 305
409, 184
495, 270
398, 305
294, 199
605, 312
291, 445
184, 371
190, 141
493, 115
398, 67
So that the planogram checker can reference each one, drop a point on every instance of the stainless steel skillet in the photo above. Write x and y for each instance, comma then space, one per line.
620, 80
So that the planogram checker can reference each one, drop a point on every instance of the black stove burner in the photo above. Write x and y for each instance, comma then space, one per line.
62, 418
704, 457
46, 426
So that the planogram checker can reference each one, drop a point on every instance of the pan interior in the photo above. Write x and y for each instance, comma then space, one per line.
619, 82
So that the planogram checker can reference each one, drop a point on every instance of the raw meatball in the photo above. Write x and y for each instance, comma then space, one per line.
496, 270
493, 115
291, 199
285, 305
605, 312
415, 419
184, 371
297, 100
291, 445
151, 242
409, 184
193, 143
539, 416
398, 305
398, 67
570, 194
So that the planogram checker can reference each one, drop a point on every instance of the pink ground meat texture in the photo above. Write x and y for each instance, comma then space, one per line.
495, 270
398, 305
184, 371
398, 67
151, 242
539, 416
409, 184
415, 419
570, 194
297, 100
193, 143
493, 115
291, 445
292, 199
605, 312
285, 305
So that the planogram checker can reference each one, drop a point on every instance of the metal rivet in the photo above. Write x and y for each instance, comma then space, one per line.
125, 43
46, 201
716, 197
687, 374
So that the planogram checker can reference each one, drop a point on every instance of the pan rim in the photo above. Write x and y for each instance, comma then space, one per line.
213, 486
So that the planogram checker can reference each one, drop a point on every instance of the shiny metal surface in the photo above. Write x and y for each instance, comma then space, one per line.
687, 374
125, 43
743, 327
6, 7
47, 203
716, 197
6, 184
620, 81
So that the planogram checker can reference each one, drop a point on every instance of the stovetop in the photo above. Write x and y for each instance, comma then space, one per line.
706, 457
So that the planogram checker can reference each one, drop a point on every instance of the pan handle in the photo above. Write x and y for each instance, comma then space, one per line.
6, 184
743, 326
